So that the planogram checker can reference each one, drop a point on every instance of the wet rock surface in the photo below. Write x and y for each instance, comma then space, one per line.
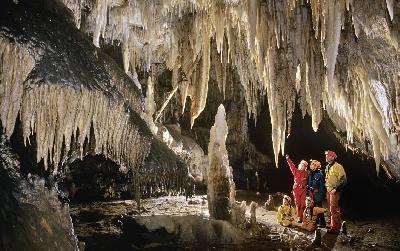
31, 215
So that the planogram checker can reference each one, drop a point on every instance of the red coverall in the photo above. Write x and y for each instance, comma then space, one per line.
299, 188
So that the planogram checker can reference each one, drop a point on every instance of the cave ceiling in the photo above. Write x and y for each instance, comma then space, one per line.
337, 59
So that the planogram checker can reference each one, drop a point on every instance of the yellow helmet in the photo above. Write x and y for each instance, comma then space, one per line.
316, 163
286, 197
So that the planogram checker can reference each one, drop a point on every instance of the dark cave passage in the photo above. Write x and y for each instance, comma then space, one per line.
95, 178
365, 195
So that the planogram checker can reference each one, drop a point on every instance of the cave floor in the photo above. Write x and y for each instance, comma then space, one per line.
99, 225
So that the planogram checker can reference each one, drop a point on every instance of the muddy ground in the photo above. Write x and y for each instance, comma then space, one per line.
103, 226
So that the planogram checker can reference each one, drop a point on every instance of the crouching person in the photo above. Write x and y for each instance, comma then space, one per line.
286, 212
310, 215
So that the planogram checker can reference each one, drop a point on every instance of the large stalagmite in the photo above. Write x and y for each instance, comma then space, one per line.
220, 185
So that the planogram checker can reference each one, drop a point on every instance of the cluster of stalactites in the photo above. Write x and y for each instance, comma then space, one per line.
277, 47
57, 113
164, 179
16, 63
369, 118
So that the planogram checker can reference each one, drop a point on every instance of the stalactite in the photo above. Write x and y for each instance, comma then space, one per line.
150, 105
55, 113
389, 4
263, 40
16, 63
330, 38
76, 8
199, 88
101, 9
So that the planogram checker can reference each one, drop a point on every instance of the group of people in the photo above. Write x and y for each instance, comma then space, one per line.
311, 186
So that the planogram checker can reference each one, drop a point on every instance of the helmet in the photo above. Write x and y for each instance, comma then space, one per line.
304, 162
331, 154
316, 163
286, 197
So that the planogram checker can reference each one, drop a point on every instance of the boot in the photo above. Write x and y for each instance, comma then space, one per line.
344, 228
321, 221
317, 238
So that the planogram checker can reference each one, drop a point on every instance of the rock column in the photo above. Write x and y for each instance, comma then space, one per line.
220, 185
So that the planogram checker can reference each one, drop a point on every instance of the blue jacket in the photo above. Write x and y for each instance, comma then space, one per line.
316, 185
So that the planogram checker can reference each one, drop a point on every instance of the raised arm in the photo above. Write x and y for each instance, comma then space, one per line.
291, 165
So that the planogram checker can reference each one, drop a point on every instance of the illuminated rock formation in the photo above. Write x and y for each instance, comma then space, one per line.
72, 100
314, 50
220, 185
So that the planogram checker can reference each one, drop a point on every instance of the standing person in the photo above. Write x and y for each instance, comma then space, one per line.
335, 180
316, 188
299, 187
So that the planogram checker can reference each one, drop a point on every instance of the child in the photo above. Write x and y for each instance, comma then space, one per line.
316, 188
299, 187
285, 215
310, 215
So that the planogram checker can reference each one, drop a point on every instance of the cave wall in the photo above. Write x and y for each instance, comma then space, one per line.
31, 215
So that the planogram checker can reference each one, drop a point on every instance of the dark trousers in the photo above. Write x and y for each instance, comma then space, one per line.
320, 217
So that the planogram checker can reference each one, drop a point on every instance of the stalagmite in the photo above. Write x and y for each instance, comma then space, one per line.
238, 217
253, 208
220, 185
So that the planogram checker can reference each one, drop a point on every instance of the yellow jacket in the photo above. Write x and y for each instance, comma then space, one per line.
285, 215
335, 177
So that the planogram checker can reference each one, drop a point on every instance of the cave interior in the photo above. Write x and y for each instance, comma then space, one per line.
113, 113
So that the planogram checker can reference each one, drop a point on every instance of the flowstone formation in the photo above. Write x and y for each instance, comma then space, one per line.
338, 58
